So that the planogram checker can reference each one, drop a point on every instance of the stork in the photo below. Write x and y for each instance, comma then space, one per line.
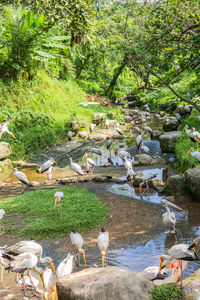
58, 196
66, 266
90, 164
195, 154
91, 128
77, 242
145, 179
103, 244
47, 165
21, 176
2, 214
4, 128
76, 168
169, 218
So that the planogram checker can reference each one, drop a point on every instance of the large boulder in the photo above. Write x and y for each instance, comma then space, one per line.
192, 181
170, 124
144, 159
167, 141
77, 125
5, 150
184, 109
98, 118
155, 134
6, 165
175, 185
104, 284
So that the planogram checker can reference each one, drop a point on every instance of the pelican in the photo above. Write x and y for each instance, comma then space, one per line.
103, 243
47, 165
195, 154
181, 252
127, 163
49, 173
4, 128
169, 218
25, 262
31, 247
66, 266
77, 242
69, 135
145, 179
76, 168
58, 196
21, 176
91, 128
107, 124
90, 164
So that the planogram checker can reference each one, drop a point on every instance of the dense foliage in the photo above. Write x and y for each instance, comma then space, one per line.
80, 208
167, 291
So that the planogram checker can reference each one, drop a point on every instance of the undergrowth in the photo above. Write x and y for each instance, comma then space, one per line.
167, 291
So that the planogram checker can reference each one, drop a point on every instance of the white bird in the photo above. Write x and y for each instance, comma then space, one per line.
66, 266
48, 282
21, 176
169, 218
195, 154
91, 128
69, 135
197, 294
123, 153
103, 244
127, 163
187, 130
107, 124
2, 214
130, 175
49, 173
47, 165
77, 242
139, 140
58, 196
181, 252
4, 128
152, 273
76, 168
137, 129
25, 262
28, 281
108, 145
31, 247
90, 164
144, 148
145, 179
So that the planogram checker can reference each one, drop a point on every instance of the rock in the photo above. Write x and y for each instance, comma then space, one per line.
6, 165
5, 150
192, 181
175, 185
110, 283
77, 125
157, 184
167, 141
98, 118
162, 113
112, 123
170, 124
144, 159
135, 163
138, 179
155, 134
159, 161
83, 134
25, 164
163, 106
183, 110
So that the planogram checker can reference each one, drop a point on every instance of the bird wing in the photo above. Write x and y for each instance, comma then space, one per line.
91, 162
25, 246
76, 239
46, 166
76, 168
103, 241
21, 176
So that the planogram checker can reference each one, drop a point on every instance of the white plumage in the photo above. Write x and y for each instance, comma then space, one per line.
77, 242
2, 213
21, 176
103, 243
169, 218
66, 266
127, 163
4, 128
75, 167
49, 173
47, 165
195, 154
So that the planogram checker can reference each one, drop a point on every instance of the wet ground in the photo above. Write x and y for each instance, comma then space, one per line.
137, 234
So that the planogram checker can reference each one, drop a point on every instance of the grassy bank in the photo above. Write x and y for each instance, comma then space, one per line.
40, 112
32, 215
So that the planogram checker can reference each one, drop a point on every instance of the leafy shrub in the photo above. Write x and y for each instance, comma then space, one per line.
167, 291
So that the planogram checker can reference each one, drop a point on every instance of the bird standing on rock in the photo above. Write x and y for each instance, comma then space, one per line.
21, 176
76, 168
47, 165
90, 164
103, 244
77, 242
169, 218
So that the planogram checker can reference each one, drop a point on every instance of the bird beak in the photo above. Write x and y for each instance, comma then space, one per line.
42, 278
84, 258
190, 132
103, 258
52, 267
161, 263
183, 128
54, 161
174, 206
13, 135
132, 181
192, 246
188, 152
53, 296
140, 188
56, 200
83, 156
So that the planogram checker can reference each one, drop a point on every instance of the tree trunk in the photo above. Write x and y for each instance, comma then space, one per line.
109, 90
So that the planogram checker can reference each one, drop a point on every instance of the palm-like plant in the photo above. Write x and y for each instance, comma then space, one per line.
25, 40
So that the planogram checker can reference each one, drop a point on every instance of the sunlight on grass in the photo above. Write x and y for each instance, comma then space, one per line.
35, 217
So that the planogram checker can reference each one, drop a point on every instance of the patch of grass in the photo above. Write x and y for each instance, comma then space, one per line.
36, 217
167, 291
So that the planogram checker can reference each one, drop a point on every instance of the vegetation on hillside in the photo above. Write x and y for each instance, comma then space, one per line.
80, 208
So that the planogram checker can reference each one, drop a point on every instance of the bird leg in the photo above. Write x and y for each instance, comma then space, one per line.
167, 231
140, 151
180, 261
31, 281
75, 258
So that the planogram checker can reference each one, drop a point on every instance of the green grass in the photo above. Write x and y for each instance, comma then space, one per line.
183, 144
167, 291
43, 97
32, 214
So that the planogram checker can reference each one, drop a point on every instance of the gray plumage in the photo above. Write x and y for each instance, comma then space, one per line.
21, 176
47, 165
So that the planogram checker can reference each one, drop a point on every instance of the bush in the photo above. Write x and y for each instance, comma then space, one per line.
167, 291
